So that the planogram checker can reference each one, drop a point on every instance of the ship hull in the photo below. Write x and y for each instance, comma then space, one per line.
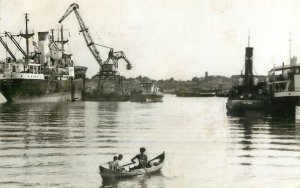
22, 90
242, 106
146, 98
195, 94
285, 106
105, 97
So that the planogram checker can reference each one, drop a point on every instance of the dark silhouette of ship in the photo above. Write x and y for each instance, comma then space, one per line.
249, 94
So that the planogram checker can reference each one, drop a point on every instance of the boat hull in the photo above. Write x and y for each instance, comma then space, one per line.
282, 106
107, 174
146, 98
22, 90
245, 105
195, 94
105, 97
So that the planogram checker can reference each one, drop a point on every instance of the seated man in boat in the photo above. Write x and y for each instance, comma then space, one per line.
116, 166
142, 158
111, 163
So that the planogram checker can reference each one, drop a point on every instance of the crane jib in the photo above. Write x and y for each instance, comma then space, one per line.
113, 56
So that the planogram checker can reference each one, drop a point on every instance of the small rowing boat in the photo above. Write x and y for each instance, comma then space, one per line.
155, 165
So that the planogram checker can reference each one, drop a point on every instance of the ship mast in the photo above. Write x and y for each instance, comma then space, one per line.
27, 35
27, 42
52, 34
61, 39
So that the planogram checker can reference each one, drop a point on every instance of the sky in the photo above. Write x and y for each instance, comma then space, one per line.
170, 38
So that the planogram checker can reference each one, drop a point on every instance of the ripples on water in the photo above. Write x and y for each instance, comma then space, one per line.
62, 144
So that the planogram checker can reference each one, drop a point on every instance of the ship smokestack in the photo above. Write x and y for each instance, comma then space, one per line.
249, 67
43, 45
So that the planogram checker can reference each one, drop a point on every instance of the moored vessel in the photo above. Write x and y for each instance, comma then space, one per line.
249, 94
284, 87
46, 74
149, 92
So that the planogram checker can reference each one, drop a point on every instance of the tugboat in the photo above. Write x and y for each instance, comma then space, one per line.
48, 73
149, 92
249, 94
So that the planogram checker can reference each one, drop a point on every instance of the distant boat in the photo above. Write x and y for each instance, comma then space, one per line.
249, 94
157, 164
148, 93
222, 94
195, 94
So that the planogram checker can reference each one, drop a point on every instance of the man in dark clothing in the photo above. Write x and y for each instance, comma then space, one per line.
142, 159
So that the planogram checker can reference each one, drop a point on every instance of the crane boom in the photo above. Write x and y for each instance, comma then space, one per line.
85, 31
10, 36
7, 49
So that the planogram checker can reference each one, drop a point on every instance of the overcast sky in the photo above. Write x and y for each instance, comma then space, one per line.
170, 38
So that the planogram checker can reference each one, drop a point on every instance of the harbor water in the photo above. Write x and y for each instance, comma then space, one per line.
63, 144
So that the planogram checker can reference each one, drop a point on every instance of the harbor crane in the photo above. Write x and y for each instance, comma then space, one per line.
108, 68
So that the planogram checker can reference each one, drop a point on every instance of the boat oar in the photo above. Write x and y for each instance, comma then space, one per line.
127, 164
145, 170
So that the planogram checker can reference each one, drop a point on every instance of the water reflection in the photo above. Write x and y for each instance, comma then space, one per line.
32, 124
62, 145
32, 133
143, 181
260, 143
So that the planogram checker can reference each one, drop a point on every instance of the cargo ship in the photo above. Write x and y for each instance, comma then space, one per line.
249, 94
46, 74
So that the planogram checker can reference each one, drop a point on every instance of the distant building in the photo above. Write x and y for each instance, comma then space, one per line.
206, 74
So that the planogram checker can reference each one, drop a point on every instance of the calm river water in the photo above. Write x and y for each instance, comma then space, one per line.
62, 144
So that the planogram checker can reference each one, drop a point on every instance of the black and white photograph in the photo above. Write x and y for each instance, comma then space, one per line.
150, 93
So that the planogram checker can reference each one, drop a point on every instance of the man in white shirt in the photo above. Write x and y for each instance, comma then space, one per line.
111, 163
116, 165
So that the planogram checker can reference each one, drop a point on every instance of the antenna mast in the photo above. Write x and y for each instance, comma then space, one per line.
290, 48
249, 38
